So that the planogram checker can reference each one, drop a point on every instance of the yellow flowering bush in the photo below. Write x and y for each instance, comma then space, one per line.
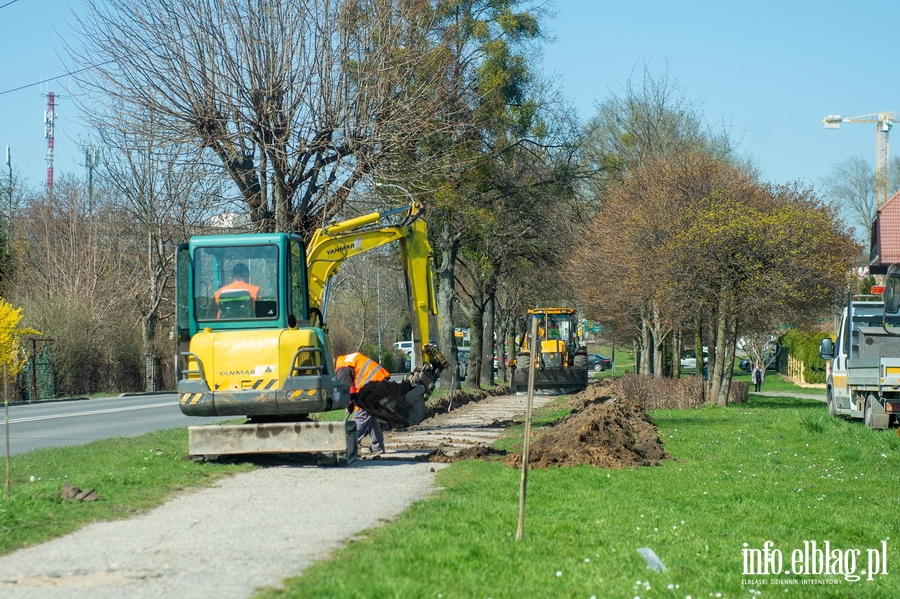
11, 335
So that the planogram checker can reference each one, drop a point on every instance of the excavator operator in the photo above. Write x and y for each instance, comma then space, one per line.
357, 370
238, 298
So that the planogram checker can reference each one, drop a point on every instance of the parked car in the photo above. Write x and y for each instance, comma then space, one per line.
689, 360
404, 346
747, 366
598, 363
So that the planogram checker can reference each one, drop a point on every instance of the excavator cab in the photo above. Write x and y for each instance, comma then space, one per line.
230, 282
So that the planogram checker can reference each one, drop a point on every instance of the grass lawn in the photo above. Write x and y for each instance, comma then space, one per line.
775, 469
130, 475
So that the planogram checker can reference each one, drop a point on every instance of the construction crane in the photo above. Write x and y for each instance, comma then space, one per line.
883, 122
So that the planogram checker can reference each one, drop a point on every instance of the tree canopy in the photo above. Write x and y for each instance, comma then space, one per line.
697, 238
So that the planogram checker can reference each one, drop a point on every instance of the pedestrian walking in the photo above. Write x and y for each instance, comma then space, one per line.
758, 375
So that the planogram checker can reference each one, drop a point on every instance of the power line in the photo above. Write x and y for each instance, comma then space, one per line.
8, 3
21, 87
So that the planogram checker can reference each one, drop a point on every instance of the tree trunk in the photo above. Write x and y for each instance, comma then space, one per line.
446, 251
676, 355
646, 349
728, 361
476, 331
487, 346
715, 374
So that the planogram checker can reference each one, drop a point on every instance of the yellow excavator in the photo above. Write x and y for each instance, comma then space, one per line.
252, 338
558, 356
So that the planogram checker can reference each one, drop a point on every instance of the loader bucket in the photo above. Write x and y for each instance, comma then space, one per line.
553, 381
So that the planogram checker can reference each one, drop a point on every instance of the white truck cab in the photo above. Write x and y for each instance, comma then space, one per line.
863, 378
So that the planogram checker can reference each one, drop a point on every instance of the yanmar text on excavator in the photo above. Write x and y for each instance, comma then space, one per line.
252, 339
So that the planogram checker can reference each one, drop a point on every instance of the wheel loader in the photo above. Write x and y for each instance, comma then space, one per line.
558, 357
253, 341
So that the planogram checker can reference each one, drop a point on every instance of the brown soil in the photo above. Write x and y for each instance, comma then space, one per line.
438, 406
476, 452
602, 431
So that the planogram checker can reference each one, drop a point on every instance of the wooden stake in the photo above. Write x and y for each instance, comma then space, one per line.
535, 344
6, 419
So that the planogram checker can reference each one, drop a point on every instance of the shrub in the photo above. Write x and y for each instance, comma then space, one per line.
656, 393
739, 392
804, 346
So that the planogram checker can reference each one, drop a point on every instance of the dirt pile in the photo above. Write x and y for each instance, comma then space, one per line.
608, 434
602, 431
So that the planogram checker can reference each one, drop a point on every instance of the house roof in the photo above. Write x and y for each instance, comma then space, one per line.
885, 248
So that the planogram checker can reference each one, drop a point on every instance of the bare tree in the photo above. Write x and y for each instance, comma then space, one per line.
650, 120
166, 190
298, 100
851, 187
75, 277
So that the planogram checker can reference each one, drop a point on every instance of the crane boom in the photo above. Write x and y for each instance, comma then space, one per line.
883, 121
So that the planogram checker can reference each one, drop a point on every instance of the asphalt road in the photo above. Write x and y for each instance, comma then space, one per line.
56, 423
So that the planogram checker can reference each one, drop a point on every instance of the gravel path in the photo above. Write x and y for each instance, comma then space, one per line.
250, 530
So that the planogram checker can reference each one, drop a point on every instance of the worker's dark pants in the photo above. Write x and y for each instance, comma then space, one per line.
367, 425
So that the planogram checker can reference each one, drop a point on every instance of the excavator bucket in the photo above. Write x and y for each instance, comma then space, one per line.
400, 404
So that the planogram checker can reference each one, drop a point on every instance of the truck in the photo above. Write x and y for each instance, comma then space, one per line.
863, 376
558, 356
258, 346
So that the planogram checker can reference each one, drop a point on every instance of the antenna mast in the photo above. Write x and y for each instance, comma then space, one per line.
49, 118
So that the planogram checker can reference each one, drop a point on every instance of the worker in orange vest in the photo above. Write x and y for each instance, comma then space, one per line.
241, 282
358, 370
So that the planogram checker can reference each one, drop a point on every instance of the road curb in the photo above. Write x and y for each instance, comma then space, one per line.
46, 401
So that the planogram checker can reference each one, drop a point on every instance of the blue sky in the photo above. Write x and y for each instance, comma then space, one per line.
770, 71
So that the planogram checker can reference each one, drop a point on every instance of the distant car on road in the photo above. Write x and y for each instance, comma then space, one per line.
598, 363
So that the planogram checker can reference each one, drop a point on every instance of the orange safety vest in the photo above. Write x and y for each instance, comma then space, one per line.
365, 369
239, 286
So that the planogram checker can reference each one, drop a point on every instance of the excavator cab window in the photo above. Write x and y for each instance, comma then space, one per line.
236, 283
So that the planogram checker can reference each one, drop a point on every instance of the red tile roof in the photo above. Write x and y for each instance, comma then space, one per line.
885, 248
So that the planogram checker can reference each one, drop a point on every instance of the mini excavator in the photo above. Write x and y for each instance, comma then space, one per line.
253, 341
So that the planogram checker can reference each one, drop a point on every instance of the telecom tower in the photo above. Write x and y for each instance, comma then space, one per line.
49, 118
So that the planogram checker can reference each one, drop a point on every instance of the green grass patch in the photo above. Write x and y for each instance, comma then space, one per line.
130, 474
778, 383
775, 469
